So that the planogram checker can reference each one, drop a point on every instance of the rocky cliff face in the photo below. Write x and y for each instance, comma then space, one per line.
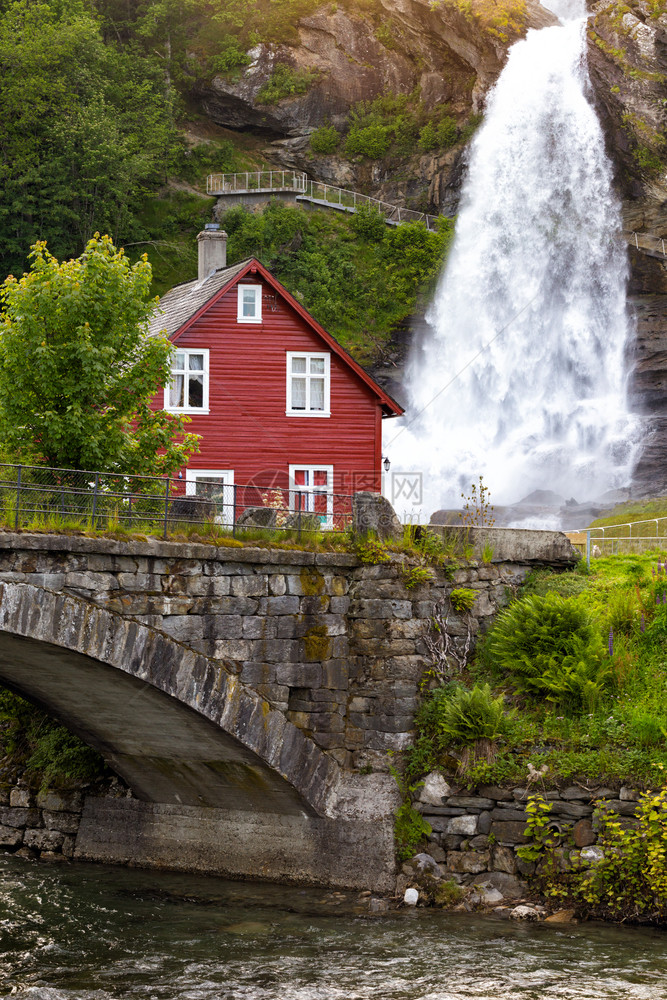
627, 56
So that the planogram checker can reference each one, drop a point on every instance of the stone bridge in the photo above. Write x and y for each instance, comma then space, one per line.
248, 697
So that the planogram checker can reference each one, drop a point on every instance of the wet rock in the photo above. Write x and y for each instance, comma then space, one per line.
561, 917
524, 912
510, 886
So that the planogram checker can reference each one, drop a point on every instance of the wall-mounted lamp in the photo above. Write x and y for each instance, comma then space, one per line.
387, 465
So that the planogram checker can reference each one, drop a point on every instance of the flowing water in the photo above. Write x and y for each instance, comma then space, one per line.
521, 376
84, 932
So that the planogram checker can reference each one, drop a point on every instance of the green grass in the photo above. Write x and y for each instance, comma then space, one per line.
623, 737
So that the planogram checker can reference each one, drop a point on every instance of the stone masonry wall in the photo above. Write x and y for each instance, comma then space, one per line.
335, 644
476, 834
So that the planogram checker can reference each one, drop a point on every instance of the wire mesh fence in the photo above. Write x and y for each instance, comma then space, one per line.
39, 498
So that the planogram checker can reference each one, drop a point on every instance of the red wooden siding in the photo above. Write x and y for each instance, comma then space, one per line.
247, 429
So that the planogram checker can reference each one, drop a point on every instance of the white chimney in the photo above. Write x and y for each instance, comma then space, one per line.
212, 246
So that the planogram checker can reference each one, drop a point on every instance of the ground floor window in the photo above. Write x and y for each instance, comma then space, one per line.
216, 485
314, 484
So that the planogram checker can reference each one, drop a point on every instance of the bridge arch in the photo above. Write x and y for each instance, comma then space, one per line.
178, 726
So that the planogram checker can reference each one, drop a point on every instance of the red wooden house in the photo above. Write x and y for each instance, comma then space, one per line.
276, 399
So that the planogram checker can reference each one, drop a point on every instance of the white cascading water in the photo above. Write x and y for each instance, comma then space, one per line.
521, 377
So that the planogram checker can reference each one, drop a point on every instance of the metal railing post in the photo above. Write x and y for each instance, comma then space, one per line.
18, 497
97, 480
166, 507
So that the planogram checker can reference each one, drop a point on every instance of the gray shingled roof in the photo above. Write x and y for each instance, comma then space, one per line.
178, 305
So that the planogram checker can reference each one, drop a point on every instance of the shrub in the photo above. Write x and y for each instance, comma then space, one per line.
372, 141
369, 224
550, 649
325, 140
457, 714
285, 82
462, 599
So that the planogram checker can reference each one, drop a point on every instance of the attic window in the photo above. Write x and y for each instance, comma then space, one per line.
249, 304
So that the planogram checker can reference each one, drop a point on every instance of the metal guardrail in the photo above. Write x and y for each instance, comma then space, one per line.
621, 539
646, 241
39, 498
326, 195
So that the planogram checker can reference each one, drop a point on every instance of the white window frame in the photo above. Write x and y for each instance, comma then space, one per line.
227, 475
205, 372
257, 318
320, 355
310, 489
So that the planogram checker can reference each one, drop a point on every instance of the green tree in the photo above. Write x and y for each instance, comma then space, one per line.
77, 371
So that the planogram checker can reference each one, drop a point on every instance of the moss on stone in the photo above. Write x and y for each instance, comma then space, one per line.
317, 643
312, 581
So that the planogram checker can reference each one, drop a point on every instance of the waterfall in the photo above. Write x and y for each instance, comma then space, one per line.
521, 376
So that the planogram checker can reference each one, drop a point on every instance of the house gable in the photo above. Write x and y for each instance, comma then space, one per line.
251, 270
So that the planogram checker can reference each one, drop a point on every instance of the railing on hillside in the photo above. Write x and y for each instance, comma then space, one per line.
621, 539
647, 241
257, 182
325, 195
39, 498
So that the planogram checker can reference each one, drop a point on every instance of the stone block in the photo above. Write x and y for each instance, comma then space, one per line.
277, 650
183, 628
299, 674
583, 834
62, 821
468, 862
258, 627
314, 604
21, 798
503, 859
233, 649
485, 823
466, 826
573, 810
509, 833
277, 585
249, 586
509, 815
68, 845
60, 801
10, 836
17, 818
286, 605
224, 626
44, 840
334, 674
473, 802
380, 609
254, 673
493, 792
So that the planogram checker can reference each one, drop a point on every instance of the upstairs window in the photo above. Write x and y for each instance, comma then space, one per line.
187, 391
249, 304
308, 385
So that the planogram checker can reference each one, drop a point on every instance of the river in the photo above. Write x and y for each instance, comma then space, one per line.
88, 932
